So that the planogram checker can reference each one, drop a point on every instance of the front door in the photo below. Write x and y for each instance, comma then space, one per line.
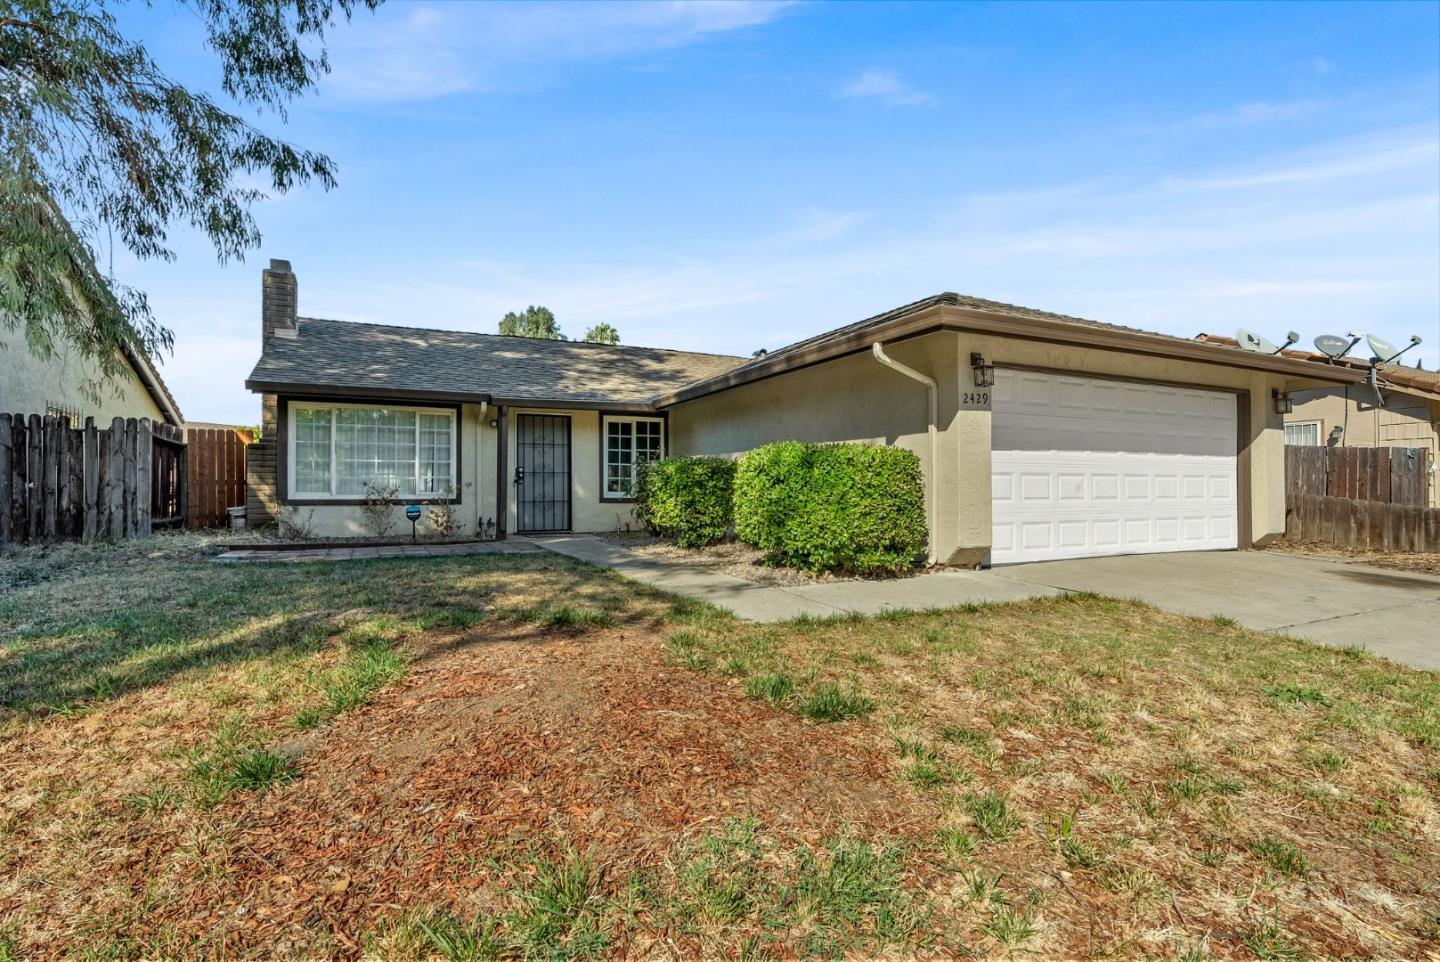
542, 472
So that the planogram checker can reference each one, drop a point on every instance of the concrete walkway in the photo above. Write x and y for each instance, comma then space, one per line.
343, 553
1392, 613
756, 602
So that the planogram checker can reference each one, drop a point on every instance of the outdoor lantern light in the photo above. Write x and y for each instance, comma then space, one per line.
1283, 404
984, 373
494, 422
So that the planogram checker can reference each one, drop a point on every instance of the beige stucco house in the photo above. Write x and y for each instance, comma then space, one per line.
1040, 435
1346, 416
65, 383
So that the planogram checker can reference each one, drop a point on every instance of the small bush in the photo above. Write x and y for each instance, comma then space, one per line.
688, 499
832, 507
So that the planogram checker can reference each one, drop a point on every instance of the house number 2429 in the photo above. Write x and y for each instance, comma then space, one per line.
975, 397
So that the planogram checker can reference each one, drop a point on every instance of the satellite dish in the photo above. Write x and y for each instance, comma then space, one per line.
1385, 352
1381, 348
1251, 341
1333, 345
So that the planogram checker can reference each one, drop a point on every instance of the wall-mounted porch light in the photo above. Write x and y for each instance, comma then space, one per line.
1283, 403
984, 373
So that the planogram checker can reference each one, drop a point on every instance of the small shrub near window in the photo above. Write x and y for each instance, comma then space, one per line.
688, 499
832, 507
378, 507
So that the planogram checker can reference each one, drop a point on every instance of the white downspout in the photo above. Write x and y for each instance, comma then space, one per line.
929, 382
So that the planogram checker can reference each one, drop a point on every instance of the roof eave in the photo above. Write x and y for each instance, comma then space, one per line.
294, 389
942, 315
156, 388
1139, 342
362, 392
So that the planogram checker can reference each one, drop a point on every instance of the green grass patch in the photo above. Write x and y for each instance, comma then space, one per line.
829, 702
1282, 856
992, 814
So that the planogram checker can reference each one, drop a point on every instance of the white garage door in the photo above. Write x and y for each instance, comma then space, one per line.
1086, 467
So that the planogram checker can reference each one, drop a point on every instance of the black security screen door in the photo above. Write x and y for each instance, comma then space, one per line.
542, 472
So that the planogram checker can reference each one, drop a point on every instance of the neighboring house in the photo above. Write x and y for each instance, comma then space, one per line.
66, 383
1093, 439
1346, 416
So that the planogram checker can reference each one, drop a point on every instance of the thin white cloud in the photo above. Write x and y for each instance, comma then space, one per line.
433, 50
819, 225
886, 87
1322, 66
1259, 112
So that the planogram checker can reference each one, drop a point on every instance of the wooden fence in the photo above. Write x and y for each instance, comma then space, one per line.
1376, 525
1389, 475
216, 459
59, 482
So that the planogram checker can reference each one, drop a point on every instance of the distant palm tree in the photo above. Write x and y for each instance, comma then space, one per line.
602, 334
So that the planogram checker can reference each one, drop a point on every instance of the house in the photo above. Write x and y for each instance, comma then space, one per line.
1040, 435
1346, 416
68, 384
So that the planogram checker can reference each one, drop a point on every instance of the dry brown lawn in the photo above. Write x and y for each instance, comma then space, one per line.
523, 757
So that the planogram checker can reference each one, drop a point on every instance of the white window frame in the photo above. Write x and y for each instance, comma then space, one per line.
296, 406
1319, 432
606, 492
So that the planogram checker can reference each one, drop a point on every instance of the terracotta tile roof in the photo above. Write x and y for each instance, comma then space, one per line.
327, 354
1396, 375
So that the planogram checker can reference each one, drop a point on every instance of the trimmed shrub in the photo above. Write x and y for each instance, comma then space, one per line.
832, 507
688, 499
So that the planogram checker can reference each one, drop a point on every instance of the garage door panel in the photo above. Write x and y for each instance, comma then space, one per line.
1085, 467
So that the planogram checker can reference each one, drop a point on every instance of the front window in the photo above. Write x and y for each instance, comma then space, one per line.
629, 443
1305, 433
337, 449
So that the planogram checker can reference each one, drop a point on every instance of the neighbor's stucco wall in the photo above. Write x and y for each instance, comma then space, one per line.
857, 399
30, 384
1405, 422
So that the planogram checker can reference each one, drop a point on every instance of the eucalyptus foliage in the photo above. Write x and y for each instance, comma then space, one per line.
532, 322
103, 149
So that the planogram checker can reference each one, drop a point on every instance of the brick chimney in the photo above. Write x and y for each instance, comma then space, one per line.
278, 292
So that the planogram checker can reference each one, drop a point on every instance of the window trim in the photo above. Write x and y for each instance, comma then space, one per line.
286, 444
605, 418
1319, 432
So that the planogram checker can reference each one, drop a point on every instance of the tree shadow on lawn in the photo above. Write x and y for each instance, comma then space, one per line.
69, 643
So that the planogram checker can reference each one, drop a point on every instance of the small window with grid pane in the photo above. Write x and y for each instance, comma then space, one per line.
629, 443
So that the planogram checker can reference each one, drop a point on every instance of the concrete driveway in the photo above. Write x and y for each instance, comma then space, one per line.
1392, 613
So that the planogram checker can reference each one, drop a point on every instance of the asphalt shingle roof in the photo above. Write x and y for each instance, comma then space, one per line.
352, 355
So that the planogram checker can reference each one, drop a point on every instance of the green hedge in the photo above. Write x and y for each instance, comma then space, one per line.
688, 499
832, 507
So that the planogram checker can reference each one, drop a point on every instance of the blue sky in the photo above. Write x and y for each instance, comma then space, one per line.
730, 176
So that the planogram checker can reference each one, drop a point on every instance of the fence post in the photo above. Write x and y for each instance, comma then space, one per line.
115, 482
6, 481
144, 475
183, 481
90, 502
